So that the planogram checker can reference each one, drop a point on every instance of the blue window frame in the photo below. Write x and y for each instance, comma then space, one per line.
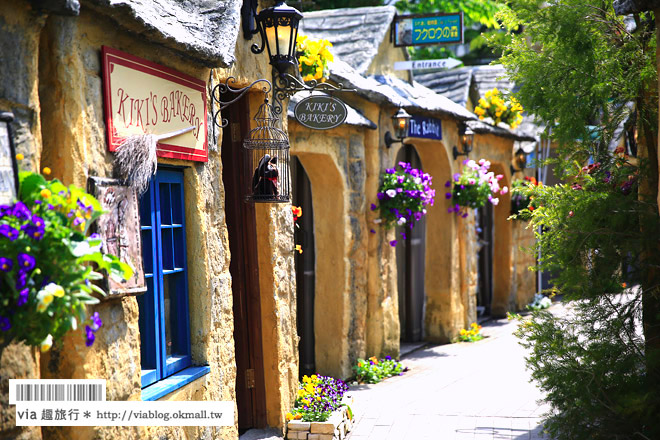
164, 317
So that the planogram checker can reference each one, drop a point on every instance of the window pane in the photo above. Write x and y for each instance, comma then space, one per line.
177, 203
168, 248
165, 204
176, 314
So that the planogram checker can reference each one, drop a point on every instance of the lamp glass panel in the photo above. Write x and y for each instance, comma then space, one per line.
281, 35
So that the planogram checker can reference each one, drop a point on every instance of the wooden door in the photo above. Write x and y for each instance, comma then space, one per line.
411, 261
305, 264
485, 239
241, 226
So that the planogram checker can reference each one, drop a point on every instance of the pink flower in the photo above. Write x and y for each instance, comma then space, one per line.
504, 190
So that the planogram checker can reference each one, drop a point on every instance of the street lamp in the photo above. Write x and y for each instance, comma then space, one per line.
401, 122
466, 136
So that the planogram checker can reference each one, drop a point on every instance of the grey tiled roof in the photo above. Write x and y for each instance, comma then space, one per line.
203, 30
354, 117
355, 33
488, 77
453, 84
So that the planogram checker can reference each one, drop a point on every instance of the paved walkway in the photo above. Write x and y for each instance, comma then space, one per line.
477, 391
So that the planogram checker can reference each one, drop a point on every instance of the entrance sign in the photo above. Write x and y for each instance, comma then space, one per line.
446, 63
421, 29
144, 97
427, 128
320, 112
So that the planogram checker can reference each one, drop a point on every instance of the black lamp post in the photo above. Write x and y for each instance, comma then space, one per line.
466, 136
278, 27
401, 122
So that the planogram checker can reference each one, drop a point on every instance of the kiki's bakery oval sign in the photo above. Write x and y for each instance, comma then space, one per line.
320, 112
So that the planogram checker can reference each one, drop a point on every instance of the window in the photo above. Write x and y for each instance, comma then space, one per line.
164, 317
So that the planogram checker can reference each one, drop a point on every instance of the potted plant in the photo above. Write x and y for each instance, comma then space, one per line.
495, 108
521, 202
48, 264
403, 197
474, 187
313, 58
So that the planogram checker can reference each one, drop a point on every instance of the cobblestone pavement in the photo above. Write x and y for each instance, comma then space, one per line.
477, 391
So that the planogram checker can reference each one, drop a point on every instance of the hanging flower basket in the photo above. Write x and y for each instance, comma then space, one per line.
313, 58
521, 203
46, 276
403, 197
474, 187
496, 109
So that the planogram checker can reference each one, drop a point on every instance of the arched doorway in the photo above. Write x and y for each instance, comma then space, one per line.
305, 267
485, 242
410, 257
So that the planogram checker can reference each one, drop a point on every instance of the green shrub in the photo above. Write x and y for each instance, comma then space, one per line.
373, 370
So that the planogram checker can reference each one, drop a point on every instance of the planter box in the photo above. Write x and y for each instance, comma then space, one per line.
335, 428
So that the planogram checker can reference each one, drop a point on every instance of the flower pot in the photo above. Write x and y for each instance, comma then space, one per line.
336, 427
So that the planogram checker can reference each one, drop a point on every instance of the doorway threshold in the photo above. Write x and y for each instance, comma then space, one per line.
408, 347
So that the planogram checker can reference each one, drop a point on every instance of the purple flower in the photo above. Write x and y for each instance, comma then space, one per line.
390, 171
96, 321
400, 179
6, 264
37, 202
380, 196
95, 236
23, 297
462, 186
21, 279
9, 232
51, 207
26, 262
34, 232
77, 221
373, 207
90, 336
5, 324
372, 231
447, 195
403, 234
448, 183
38, 221
21, 211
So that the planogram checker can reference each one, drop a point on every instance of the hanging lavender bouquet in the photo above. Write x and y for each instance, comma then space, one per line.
403, 197
46, 271
474, 187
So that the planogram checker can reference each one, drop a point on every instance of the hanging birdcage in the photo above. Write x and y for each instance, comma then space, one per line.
267, 156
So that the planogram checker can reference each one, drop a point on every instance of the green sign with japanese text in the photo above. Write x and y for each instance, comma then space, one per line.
415, 30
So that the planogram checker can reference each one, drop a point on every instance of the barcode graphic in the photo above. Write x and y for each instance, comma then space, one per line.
59, 392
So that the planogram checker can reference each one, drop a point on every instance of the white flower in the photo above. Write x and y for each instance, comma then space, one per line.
424, 211
377, 220
401, 220
391, 193
504, 190
472, 164
545, 302
495, 201
46, 343
418, 180
54, 290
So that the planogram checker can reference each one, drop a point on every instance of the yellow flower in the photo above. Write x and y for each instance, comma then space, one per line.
483, 103
44, 298
45, 193
19, 156
46, 343
299, 249
289, 416
298, 416
463, 332
479, 111
46, 171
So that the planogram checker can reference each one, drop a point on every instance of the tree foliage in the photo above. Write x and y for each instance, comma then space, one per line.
584, 72
336, 4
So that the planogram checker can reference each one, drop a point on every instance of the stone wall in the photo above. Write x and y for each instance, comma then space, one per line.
334, 162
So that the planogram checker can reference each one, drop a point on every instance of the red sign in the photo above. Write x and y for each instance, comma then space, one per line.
144, 97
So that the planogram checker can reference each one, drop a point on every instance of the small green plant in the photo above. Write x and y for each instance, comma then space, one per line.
471, 335
373, 370
317, 397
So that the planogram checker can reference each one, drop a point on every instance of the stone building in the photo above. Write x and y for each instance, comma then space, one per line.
231, 259
426, 287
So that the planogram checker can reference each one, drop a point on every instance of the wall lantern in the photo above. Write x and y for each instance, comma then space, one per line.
8, 164
466, 136
401, 122
519, 162
278, 27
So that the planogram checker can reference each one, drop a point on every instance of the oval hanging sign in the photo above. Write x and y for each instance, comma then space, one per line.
320, 112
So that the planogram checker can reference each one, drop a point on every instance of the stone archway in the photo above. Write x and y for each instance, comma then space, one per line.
444, 308
503, 248
330, 298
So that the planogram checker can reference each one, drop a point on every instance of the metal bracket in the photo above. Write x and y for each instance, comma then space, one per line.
286, 85
225, 87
